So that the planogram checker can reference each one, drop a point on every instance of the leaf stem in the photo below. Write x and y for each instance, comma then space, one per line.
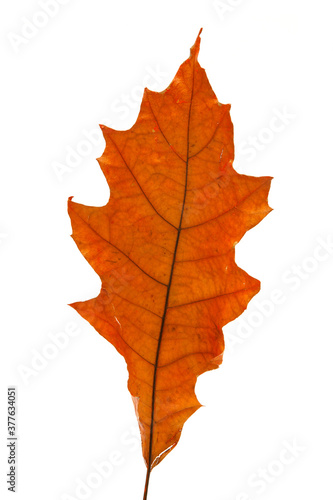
146, 485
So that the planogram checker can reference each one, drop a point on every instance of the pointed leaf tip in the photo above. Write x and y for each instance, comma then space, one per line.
196, 47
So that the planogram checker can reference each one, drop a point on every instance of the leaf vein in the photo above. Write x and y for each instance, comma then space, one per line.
139, 185
120, 251
211, 298
239, 202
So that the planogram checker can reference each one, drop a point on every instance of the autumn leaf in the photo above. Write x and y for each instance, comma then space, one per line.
164, 248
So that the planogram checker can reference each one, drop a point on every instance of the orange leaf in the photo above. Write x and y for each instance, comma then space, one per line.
163, 247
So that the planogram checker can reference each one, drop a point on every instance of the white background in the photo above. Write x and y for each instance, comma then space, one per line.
86, 66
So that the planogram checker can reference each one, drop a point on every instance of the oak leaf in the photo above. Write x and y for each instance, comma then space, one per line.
163, 247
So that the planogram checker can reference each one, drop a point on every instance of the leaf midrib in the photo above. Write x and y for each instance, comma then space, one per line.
168, 293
